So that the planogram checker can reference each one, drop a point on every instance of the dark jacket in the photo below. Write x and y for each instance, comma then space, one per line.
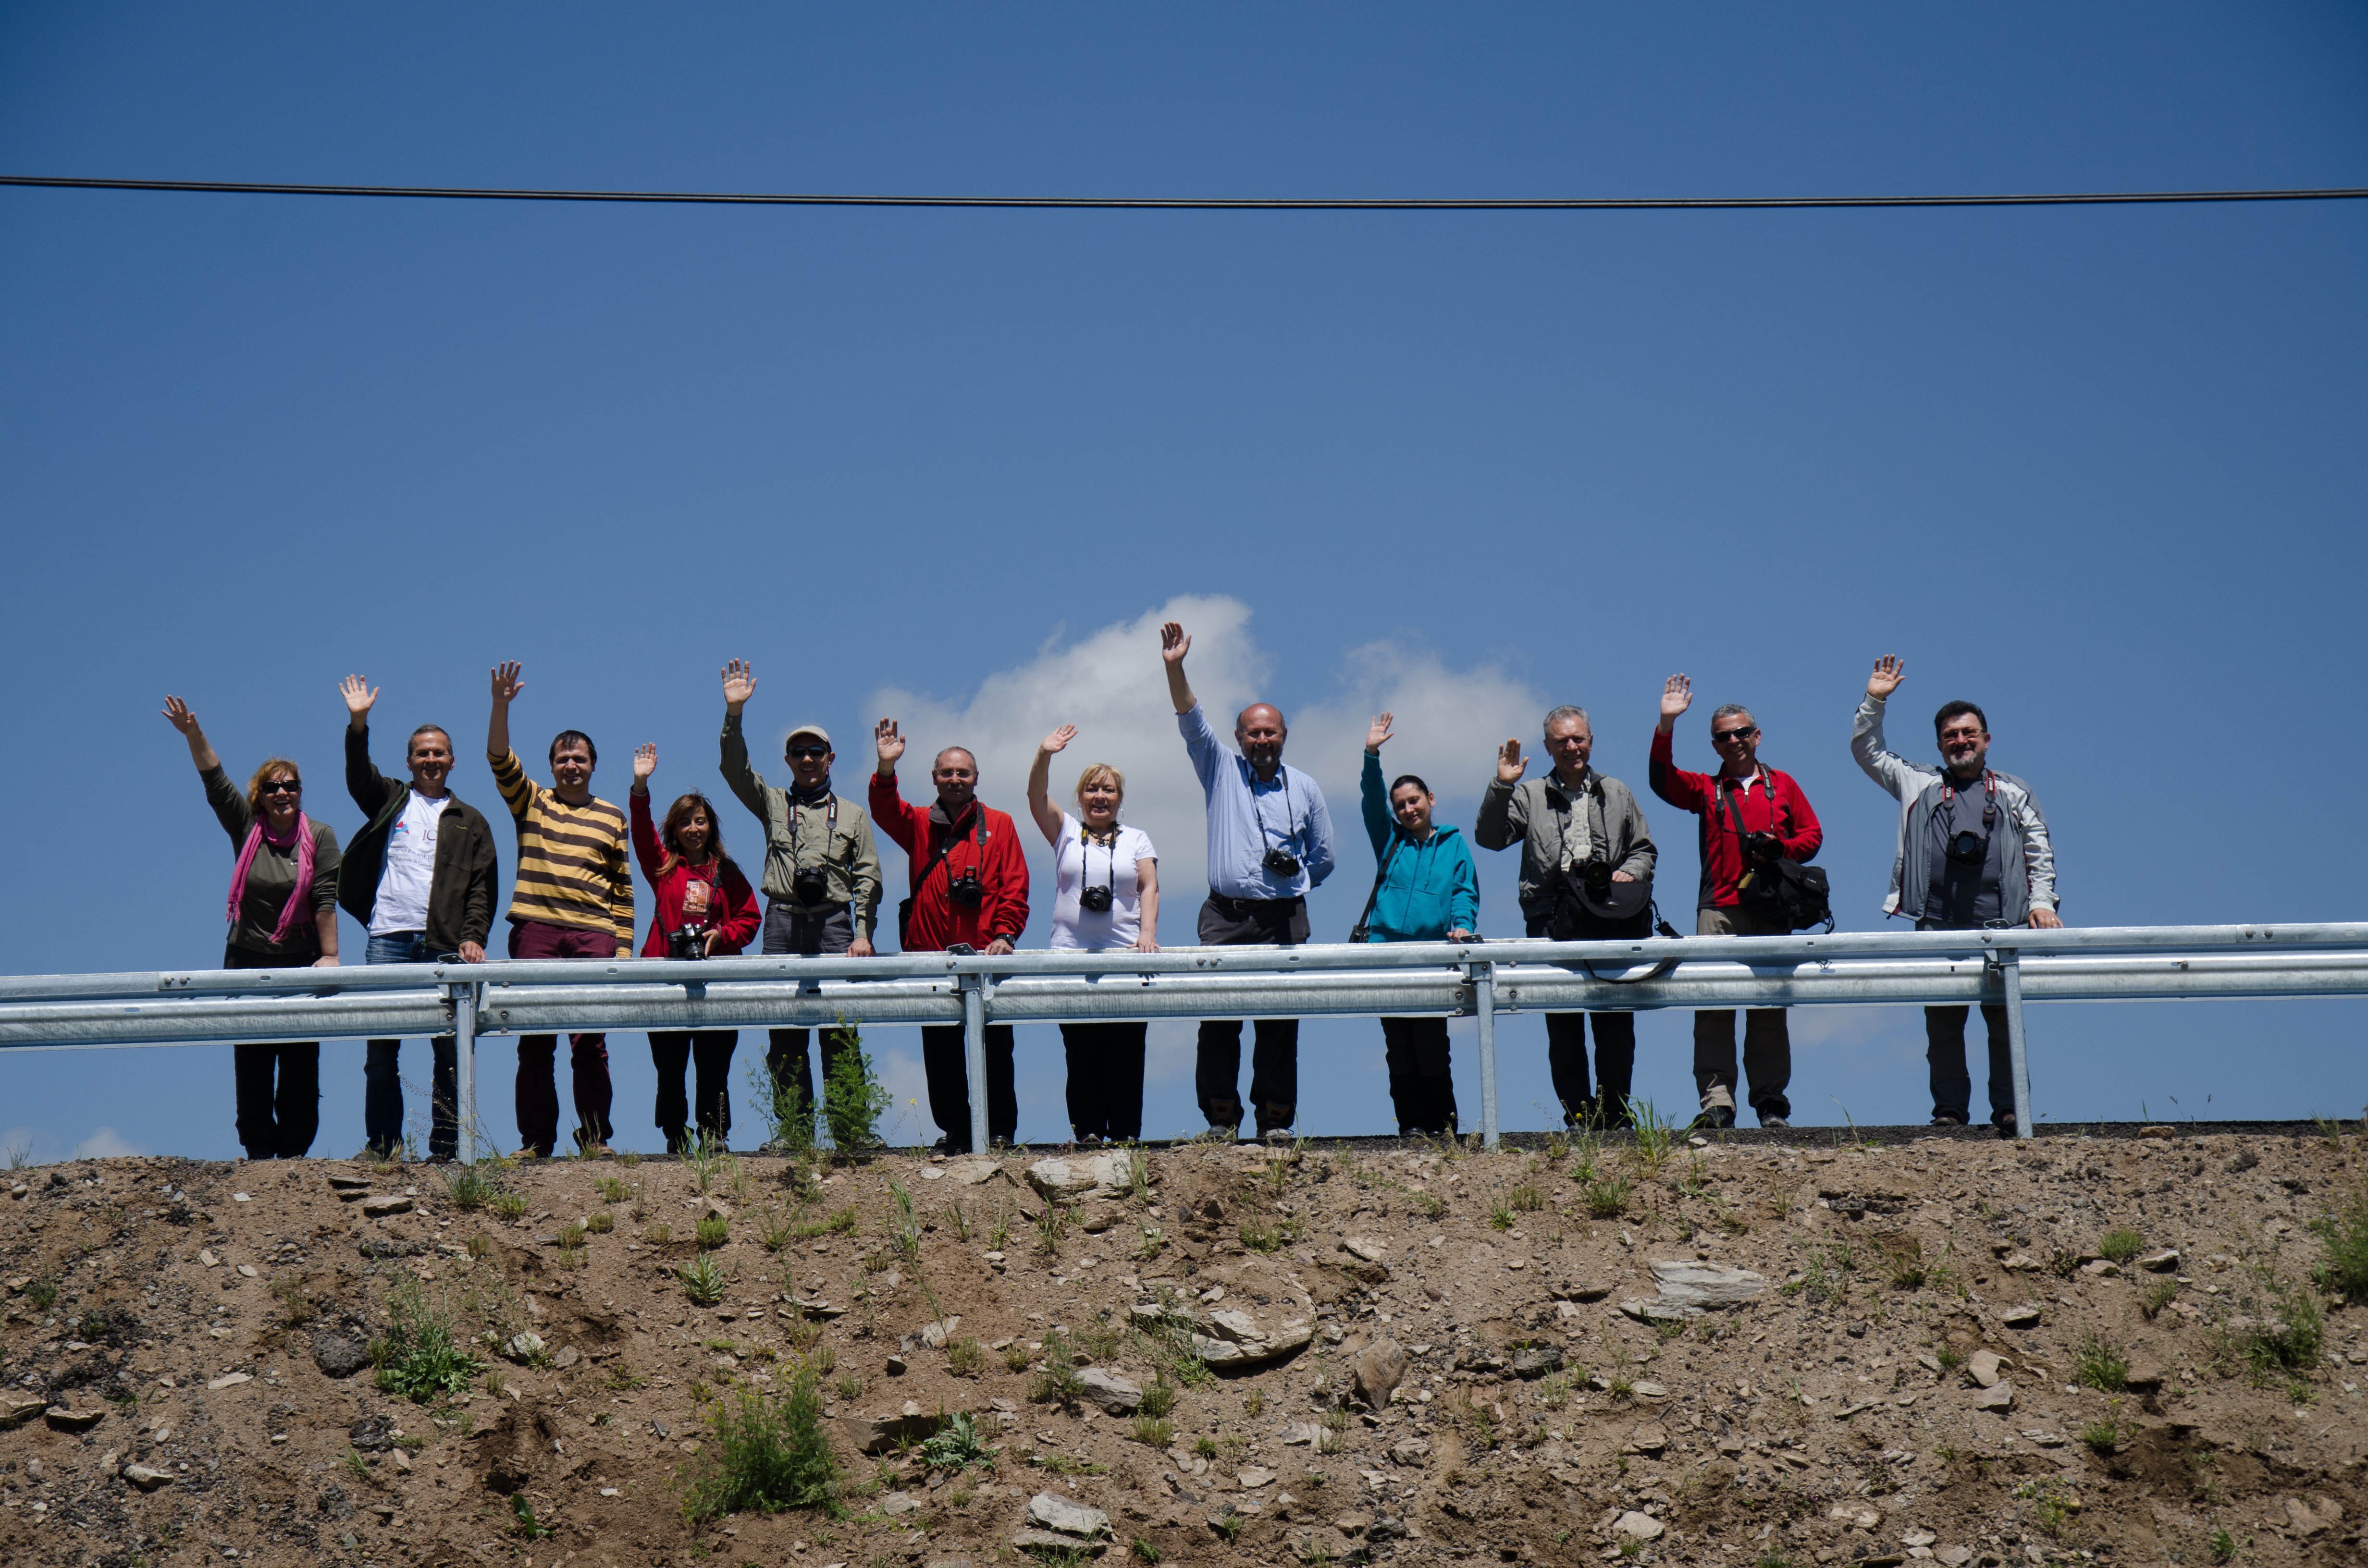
460, 896
1533, 814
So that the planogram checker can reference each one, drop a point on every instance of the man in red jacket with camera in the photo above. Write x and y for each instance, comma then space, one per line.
970, 890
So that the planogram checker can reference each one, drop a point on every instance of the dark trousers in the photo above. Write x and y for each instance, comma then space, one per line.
279, 1086
1105, 1079
1274, 1062
1615, 1060
537, 1087
382, 1082
941, 1057
1422, 1087
1944, 1051
1767, 1043
787, 931
671, 1050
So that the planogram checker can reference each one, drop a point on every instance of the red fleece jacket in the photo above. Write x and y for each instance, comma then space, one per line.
988, 843
1722, 857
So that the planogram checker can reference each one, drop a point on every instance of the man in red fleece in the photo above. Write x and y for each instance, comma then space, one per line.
1776, 824
970, 889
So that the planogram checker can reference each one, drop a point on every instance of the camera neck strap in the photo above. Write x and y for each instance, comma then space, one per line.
829, 830
1290, 823
1085, 864
937, 855
1735, 816
1989, 798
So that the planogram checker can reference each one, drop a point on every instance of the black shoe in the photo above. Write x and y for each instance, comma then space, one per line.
2004, 1123
1578, 1114
1712, 1118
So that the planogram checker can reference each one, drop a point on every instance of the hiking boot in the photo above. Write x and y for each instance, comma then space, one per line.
1946, 1120
531, 1153
596, 1150
1712, 1118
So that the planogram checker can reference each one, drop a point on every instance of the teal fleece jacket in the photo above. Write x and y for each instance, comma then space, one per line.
1428, 888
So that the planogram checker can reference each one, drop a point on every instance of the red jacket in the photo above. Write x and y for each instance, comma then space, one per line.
988, 845
732, 907
1721, 857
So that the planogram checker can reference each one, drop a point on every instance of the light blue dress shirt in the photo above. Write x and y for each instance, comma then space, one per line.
1248, 817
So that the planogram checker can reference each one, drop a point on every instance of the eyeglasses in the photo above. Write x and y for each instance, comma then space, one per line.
1718, 737
793, 752
284, 787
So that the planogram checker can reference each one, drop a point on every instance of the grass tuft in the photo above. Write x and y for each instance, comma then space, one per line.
769, 1453
2120, 1244
420, 1357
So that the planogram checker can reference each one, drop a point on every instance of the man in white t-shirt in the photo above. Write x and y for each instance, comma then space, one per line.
423, 886
1105, 877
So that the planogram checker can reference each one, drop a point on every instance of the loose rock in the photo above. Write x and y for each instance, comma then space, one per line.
1381, 1367
1055, 1512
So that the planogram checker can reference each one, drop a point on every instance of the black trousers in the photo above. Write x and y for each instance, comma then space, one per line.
671, 1050
1944, 1052
941, 1057
1105, 1079
787, 931
279, 1086
1274, 1062
1422, 1087
1615, 1059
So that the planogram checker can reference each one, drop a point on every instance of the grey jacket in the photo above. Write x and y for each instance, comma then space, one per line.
2029, 877
1530, 813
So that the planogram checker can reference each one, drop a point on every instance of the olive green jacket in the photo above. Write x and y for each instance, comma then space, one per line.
804, 836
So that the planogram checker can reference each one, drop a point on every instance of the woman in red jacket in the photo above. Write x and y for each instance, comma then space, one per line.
706, 909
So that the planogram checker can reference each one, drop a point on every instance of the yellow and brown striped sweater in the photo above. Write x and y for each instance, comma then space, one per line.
573, 861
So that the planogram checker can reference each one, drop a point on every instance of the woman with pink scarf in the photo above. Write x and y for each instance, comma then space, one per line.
282, 915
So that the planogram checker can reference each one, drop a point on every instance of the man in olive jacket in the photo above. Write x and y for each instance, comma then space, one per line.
1565, 820
421, 878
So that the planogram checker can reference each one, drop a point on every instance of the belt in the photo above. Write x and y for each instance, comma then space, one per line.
1242, 905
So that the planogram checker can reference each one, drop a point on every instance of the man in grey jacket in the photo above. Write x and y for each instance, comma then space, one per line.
1572, 816
1974, 854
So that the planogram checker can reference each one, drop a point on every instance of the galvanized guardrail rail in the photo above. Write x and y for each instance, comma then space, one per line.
1477, 979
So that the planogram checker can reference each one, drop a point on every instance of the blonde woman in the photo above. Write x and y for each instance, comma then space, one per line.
282, 915
1108, 898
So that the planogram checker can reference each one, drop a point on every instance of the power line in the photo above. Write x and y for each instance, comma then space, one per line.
1199, 203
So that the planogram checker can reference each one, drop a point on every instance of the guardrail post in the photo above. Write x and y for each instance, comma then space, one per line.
1483, 1007
2010, 963
973, 996
464, 1049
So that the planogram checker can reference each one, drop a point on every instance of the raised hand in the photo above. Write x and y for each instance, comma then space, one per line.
1677, 696
891, 743
360, 696
176, 712
1889, 671
646, 762
1378, 732
1510, 763
739, 685
1058, 740
1173, 643
506, 684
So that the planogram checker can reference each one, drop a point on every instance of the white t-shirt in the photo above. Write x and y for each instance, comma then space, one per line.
1078, 865
410, 867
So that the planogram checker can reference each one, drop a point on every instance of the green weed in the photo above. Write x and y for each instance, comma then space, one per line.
2120, 1244
703, 1280
769, 1452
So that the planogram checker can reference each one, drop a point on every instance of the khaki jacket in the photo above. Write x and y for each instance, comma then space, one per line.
845, 853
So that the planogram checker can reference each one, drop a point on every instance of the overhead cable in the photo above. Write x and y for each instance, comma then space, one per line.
1199, 203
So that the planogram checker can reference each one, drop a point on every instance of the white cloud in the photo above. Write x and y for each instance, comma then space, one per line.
1112, 686
105, 1144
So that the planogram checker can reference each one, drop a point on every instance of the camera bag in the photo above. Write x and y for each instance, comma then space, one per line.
1786, 890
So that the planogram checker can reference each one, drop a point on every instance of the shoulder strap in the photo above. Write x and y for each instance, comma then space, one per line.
939, 857
1381, 875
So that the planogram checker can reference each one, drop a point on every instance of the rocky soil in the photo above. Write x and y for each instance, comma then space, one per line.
1741, 1352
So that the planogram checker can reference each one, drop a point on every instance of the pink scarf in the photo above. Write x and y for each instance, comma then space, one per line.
300, 901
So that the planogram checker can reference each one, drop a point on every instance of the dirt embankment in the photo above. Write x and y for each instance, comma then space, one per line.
1422, 1355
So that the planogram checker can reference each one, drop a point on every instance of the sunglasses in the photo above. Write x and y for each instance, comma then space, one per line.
1718, 736
285, 787
794, 752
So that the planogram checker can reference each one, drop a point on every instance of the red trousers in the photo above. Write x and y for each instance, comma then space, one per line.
537, 1087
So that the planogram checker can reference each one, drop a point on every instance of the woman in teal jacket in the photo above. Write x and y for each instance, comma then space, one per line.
1425, 890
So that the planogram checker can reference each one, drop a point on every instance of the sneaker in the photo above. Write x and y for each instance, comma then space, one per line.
596, 1150
1275, 1137
1712, 1118
1776, 1123
530, 1153
1224, 1133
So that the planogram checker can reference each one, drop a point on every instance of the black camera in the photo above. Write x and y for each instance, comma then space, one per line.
810, 886
1282, 862
690, 942
1764, 846
1969, 849
965, 890
1096, 899
1596, 874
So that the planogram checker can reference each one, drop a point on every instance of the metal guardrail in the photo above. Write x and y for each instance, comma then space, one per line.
1477, 979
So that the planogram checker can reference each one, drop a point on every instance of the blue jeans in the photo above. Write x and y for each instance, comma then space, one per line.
383, 1088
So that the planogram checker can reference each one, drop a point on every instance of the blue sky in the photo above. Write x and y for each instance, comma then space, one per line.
2100, 469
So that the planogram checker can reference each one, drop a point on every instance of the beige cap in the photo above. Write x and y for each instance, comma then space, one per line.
816, 730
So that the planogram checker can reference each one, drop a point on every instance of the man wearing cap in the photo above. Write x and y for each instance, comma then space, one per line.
822, 870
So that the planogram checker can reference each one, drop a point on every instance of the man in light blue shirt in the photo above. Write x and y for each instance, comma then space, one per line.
1269, 843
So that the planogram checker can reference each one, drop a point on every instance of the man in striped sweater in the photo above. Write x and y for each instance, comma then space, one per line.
573, 899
